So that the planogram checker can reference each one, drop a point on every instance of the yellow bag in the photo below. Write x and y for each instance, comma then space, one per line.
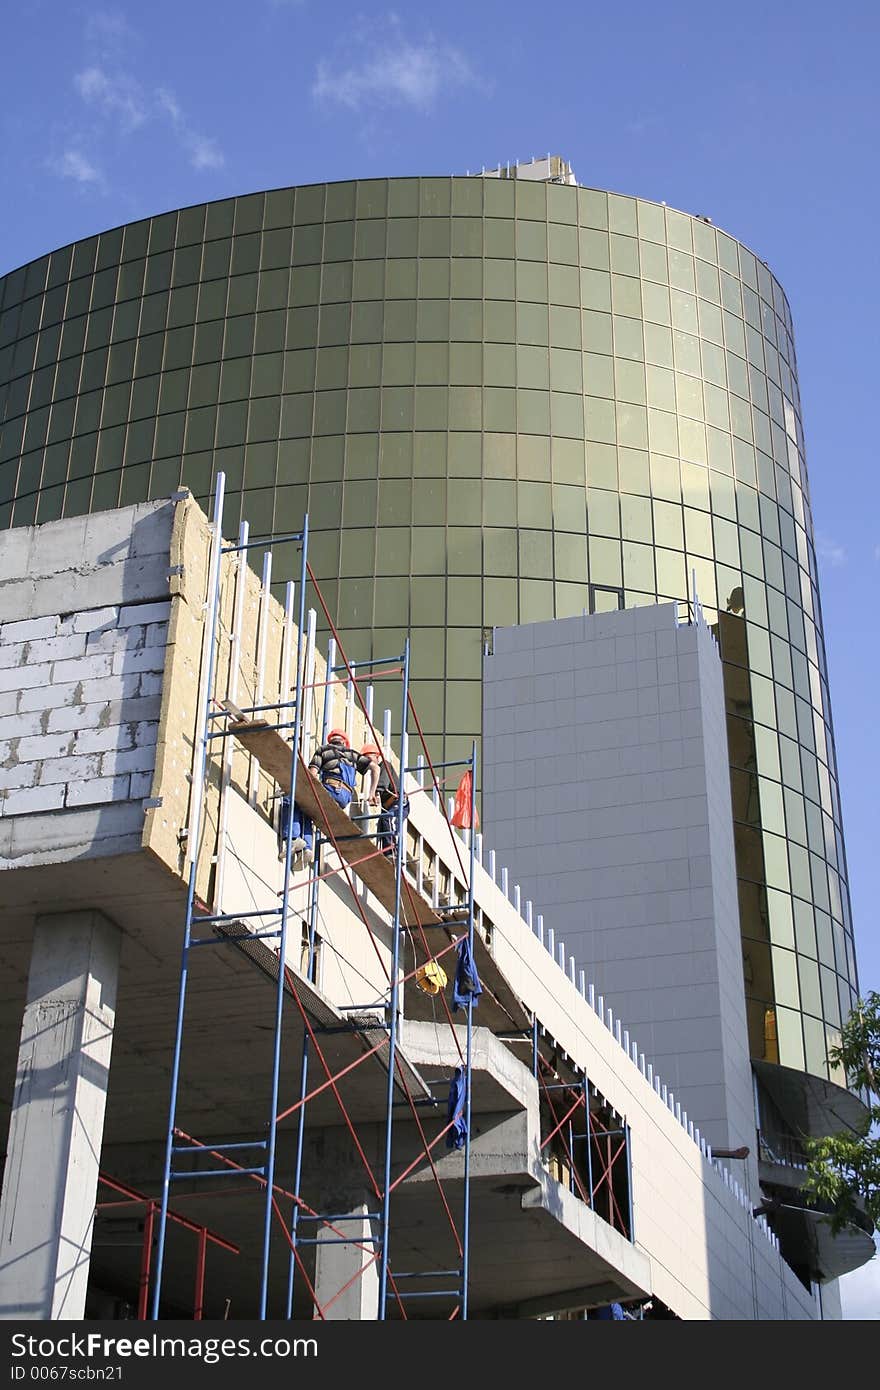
430, 977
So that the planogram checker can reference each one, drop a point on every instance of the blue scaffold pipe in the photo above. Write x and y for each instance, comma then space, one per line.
395, 963
466, 1223
282, 947
213, 599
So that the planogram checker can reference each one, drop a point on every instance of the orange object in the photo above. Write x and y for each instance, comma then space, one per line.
461, 815
339, 733
371, 748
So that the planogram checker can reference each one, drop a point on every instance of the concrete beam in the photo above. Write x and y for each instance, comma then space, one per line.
51, 1176
570, 1300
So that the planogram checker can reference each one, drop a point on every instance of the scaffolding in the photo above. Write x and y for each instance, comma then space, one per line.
274, 735
128, 1200
594, 1162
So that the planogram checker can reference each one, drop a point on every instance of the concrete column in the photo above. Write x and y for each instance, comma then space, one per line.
339, 1261
57, 1124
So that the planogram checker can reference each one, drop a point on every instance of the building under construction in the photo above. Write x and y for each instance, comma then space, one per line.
373, 1085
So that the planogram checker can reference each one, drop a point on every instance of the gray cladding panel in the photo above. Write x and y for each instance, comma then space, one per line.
610, 805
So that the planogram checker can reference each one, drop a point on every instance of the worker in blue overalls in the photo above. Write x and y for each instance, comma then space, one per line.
337, 765
381, 791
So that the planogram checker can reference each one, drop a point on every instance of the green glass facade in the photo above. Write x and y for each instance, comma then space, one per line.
500, 401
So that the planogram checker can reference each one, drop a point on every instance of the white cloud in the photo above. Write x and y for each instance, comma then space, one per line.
120, 103
168, 103
830, 551
204, 153
382, 67
116, 95
72, 164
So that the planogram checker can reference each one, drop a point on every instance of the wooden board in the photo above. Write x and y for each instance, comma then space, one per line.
356, 848
501, 1008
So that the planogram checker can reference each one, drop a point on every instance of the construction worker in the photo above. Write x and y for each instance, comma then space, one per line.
336, 765
381, 790
302, 843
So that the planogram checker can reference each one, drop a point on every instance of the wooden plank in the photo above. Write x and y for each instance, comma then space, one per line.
502, 995
356, 848
377, 872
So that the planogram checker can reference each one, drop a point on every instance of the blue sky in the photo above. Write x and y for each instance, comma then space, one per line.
762, 116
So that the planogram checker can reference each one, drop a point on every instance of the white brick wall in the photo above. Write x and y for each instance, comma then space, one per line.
79, 706
28, 630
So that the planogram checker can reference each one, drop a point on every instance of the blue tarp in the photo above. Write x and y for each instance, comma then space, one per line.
457, 1135
466, 984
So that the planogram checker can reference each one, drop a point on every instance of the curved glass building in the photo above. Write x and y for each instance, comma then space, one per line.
500, 399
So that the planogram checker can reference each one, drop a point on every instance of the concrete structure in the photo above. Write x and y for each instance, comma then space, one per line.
82, 652
501, 400
61, 1089
670, 1223
607, 786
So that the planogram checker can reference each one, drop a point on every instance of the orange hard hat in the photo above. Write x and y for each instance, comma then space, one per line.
339, 733
372, 748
